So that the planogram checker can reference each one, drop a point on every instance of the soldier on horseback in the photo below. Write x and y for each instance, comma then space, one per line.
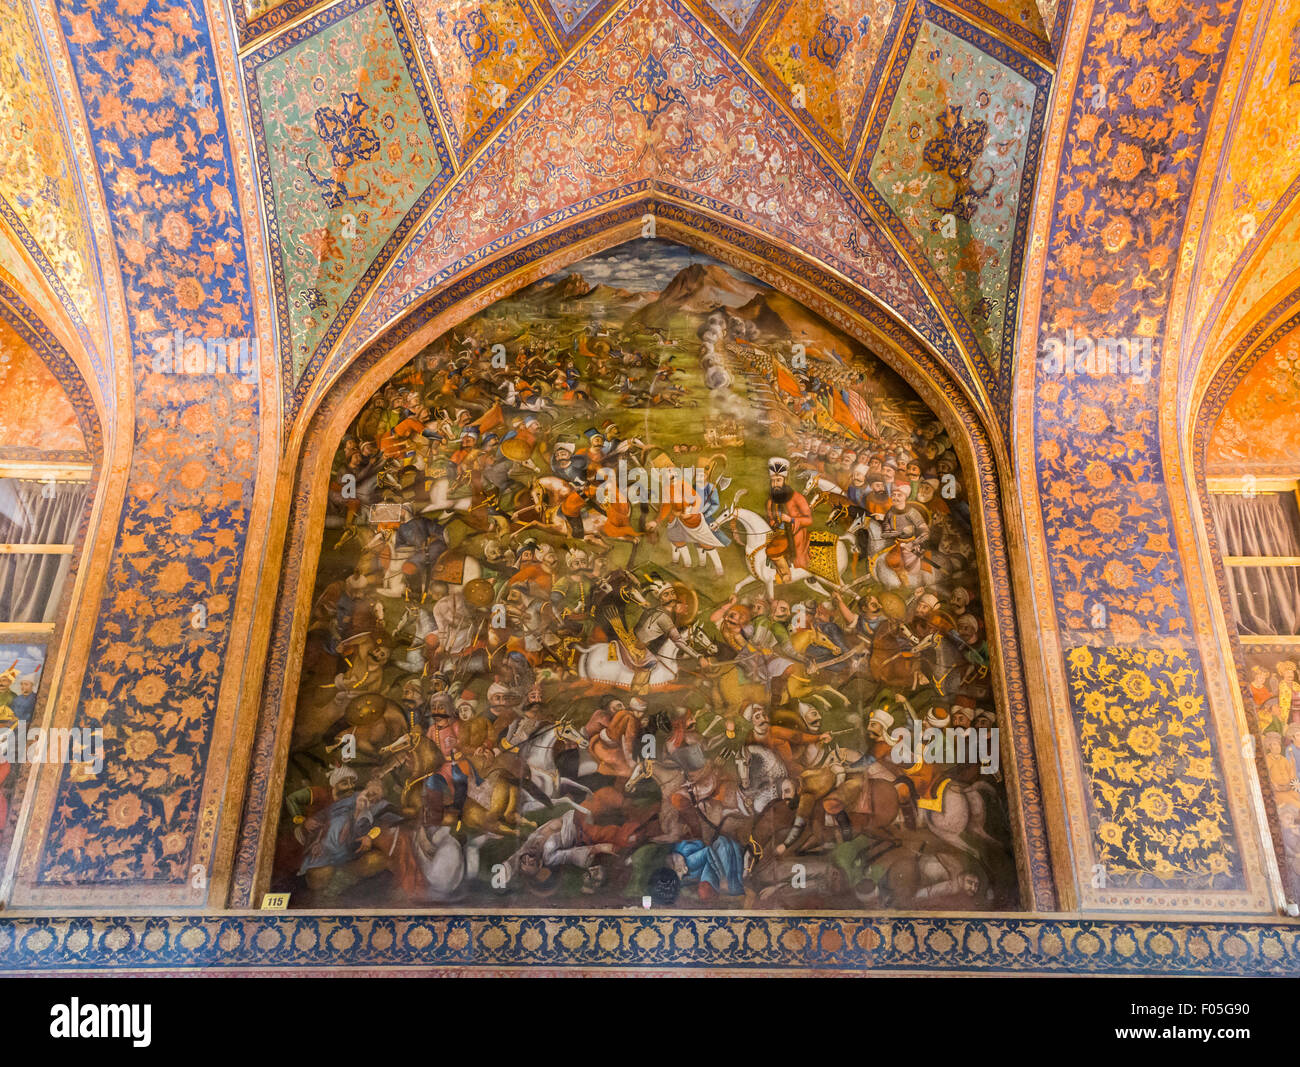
657, 629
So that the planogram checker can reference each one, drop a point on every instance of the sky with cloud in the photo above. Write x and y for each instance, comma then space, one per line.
643, 266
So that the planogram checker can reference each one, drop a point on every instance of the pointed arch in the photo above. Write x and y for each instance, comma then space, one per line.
787, 269
73, 453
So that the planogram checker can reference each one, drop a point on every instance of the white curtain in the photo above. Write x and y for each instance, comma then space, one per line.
1267, 599
35, 512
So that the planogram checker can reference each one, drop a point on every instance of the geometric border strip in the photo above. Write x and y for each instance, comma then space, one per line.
637, 941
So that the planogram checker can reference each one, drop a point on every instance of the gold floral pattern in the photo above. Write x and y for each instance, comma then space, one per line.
1158, 811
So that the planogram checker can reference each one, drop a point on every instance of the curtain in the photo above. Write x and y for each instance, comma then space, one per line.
36, 513
1267, 599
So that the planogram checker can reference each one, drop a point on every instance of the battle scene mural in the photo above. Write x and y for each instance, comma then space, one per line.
1274, 698
646, 585
20, 675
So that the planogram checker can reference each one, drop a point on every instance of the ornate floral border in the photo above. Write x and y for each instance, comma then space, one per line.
637, 942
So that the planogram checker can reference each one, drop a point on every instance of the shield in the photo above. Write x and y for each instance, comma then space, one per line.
478, 593
517, 450
893, 606
688, 604
365, 708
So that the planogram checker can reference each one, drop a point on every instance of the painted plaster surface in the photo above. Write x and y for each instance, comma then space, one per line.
1258, 428
949, 164
483, 57
153, 678
34, 411
1278, 262
648, 100
592, 561
1263, 159
1125, 174
826, 59
37, 186
350, 149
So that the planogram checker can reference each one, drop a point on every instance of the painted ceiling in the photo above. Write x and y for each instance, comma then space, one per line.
401, 143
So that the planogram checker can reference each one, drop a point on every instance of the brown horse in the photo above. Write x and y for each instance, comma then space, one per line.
792, 683
870, 803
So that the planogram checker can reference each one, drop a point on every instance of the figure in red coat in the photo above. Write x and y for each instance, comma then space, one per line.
790, 517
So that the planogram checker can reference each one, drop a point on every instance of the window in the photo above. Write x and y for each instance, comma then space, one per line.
40, 509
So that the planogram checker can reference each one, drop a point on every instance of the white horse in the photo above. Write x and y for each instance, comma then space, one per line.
538, 756
821, 483
446, 865
419, 622
441, 500
603, 664
754, 531
964, 810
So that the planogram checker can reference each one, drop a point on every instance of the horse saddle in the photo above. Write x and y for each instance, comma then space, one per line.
625, 656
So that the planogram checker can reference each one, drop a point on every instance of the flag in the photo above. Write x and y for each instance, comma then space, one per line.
861, 413
785, 381
840, 413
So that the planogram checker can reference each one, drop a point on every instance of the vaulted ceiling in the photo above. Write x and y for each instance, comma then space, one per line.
400, 144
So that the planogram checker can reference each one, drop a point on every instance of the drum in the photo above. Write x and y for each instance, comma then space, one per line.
778, 544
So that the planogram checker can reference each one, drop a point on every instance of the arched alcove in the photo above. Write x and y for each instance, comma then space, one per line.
51, 455
1248, 473
278, 757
